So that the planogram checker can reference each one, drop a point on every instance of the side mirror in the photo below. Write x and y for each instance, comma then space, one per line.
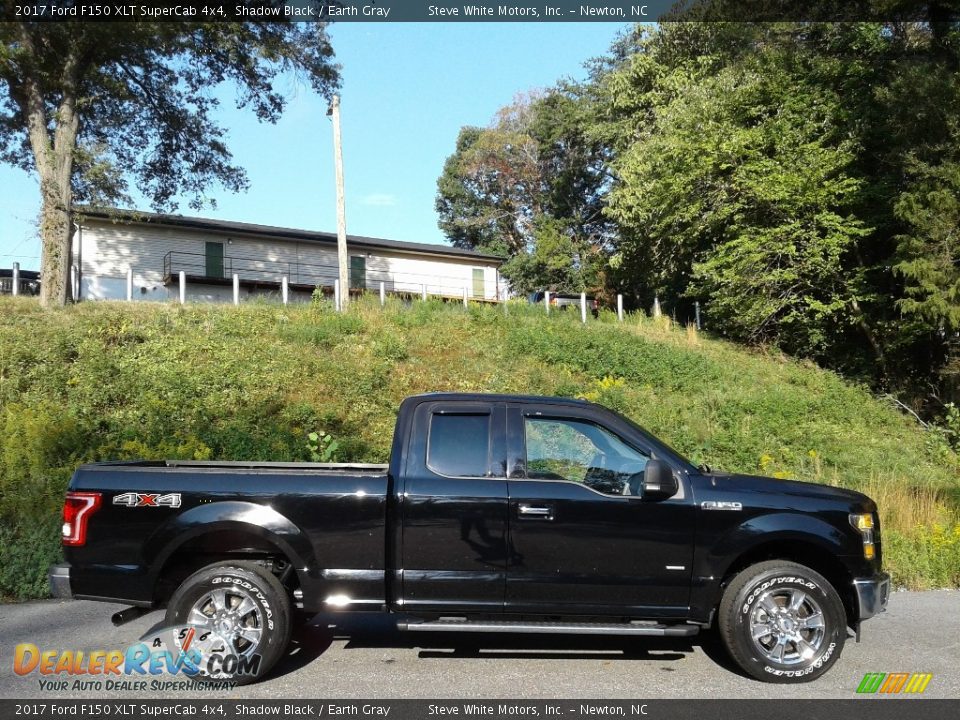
659, 480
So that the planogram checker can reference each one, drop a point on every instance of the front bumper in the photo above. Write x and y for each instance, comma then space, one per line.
872, 595
59, 579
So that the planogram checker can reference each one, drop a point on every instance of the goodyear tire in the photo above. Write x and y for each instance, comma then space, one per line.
782, 622
242, 620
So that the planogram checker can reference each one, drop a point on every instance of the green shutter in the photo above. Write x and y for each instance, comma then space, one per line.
214, 260
478, 286
358, 272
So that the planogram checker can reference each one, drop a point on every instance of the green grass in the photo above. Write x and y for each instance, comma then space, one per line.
101, 381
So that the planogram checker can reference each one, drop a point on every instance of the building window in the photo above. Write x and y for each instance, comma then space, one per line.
478, 285
358, 272
214, 256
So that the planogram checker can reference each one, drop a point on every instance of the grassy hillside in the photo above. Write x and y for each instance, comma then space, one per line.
115, 381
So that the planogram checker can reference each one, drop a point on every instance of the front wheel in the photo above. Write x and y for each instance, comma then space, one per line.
782, 622
241, 618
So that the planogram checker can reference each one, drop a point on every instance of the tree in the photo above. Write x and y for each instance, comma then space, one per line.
490, 191
530, 188
774, 172
91, 107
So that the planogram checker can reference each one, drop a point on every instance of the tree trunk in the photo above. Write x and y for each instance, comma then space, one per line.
53, 141
56, 233
871, 338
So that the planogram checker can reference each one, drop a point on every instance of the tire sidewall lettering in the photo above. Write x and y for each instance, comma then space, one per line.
255, 589
814, 666
773, 582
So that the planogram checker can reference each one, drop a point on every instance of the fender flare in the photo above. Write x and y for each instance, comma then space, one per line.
259, 520
713, 564
774, 527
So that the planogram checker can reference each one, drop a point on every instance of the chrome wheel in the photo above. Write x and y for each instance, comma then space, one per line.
231, 614
787, 626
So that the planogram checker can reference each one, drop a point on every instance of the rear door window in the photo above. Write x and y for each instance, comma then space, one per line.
459, 444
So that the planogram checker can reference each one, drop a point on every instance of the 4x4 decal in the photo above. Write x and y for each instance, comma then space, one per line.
132, 499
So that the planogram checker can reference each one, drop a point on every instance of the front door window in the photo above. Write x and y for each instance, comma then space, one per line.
582, 452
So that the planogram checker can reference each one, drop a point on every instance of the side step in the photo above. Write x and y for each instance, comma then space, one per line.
560, 628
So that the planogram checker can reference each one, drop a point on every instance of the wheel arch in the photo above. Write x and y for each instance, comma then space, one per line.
226, 531
802, 551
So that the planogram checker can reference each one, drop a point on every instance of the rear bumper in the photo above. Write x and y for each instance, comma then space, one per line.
59, 579
872, 595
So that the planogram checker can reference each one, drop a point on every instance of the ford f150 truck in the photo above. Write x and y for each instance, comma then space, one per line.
496, 513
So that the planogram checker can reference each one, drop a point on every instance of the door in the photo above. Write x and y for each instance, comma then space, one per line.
479, 289
358, 272
583, 539
454, 509
214, 260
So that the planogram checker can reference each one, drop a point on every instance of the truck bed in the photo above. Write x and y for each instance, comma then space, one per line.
327, 518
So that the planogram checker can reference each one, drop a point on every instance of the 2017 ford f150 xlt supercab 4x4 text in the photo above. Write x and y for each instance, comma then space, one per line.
496, 513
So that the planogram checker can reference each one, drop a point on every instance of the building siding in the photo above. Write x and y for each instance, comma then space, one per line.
104, 250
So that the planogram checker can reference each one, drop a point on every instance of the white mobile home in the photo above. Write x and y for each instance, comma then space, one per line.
155, 249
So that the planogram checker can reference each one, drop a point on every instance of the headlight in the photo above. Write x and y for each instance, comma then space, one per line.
863, 522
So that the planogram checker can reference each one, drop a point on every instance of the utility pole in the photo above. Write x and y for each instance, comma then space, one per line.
341, 210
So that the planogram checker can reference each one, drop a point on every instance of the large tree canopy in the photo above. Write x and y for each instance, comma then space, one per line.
529, 188
95, 107
799, 179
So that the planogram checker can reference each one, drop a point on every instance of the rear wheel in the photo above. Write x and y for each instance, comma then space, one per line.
241, 612
782, 622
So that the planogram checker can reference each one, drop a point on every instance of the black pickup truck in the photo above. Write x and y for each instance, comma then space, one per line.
496, 513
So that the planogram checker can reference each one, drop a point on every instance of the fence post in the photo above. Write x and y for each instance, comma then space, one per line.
656, 306
15, 288
285, 289
336, 295
183, 287
423, 291
129, 284
583, 307
383, 294
620, 307
546, 300
465, 305
236, 289
696, 313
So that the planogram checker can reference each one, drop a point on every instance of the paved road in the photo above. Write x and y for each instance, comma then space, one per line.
370, 659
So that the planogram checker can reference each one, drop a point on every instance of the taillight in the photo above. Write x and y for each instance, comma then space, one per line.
77, 509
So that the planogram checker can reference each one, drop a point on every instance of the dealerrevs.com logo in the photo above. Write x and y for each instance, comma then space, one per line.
200, 658
894, 683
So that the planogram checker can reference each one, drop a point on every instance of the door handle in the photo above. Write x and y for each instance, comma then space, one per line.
535, 511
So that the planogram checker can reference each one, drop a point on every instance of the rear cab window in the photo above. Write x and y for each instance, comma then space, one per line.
458, 444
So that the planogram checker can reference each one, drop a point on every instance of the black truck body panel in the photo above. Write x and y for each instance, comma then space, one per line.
329, 523
407, 537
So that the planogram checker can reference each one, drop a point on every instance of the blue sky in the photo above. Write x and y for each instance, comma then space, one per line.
407, 90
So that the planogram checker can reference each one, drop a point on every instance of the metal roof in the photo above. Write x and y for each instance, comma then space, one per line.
227, 226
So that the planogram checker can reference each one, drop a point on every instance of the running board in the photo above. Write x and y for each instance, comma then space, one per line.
560, 628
